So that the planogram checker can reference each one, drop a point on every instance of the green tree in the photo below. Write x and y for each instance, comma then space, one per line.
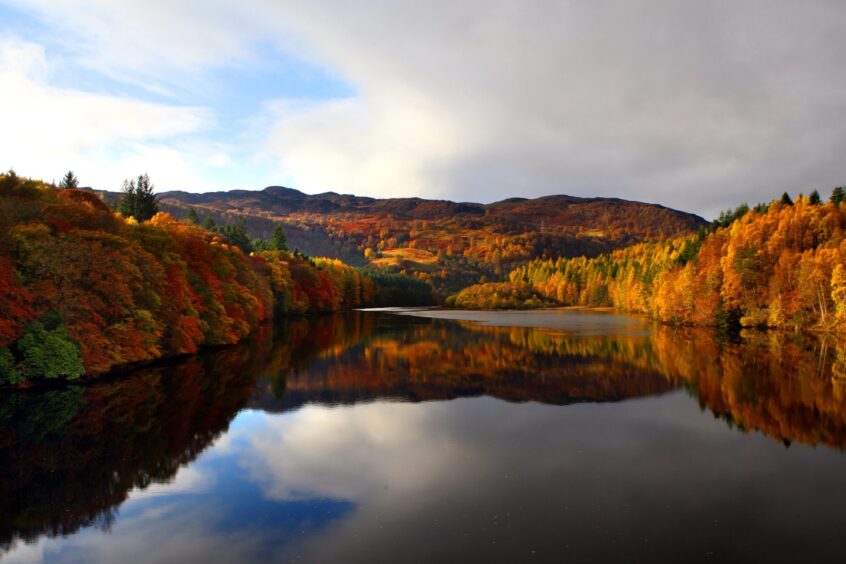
785, 199
8, 372
50, 353
838, 195
127, 205
147, 201
138, 199
814, 198
192, 216
278, 239
69, 181
210, 224
236, 234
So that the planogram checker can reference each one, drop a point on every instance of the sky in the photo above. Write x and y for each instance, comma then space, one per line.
695, 105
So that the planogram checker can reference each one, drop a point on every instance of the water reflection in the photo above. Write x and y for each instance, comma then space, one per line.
327, 446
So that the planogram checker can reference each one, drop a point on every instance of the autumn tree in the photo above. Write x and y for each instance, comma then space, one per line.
15, 303
8, 181
777, 266
838, 292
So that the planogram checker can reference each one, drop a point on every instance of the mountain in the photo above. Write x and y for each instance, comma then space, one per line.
450, 244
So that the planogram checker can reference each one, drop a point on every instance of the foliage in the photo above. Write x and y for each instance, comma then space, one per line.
15, 309
398, 289
446, 244
778, 266
278, 239
69, 181
504, 295
127, 292
192, 217
728, 217
50, 353
838, 195
138, 200
8, 371
236, 234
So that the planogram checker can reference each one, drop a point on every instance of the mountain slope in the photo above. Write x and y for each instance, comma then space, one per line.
450, 244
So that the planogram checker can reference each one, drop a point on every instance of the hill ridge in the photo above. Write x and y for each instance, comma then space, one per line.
446, 243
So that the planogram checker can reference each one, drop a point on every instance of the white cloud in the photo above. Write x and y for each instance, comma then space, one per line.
289, 457
103, 138
695, 105
156, 44
357, 145
188, 480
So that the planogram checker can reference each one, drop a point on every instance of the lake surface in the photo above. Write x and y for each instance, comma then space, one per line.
554, 436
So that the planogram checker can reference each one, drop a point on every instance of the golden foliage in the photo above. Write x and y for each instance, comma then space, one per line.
781, 266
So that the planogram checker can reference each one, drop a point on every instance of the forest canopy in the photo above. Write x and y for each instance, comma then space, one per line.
781, 265
85, 289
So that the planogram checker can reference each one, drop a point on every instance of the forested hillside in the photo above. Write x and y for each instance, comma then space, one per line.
448, 244
779, 265
83, 289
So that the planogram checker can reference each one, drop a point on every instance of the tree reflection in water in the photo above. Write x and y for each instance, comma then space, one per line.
70, 456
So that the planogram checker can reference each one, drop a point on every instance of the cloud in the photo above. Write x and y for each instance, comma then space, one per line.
289, 454
356, 144
155, 44
103, 138
188, 480
694, 105
690, 104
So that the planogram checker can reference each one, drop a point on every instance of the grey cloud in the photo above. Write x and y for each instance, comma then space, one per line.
695, 105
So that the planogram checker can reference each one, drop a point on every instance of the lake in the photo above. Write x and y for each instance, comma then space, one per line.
435, 436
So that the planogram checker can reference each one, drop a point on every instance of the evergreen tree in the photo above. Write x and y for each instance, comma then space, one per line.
838, 195
814, 198
138, 199
278, 239
785, 199
148, 202
127, 205
69, 181
236, 234
210, 224
192, 216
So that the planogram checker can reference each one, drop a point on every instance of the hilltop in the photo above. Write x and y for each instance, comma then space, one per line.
448, 244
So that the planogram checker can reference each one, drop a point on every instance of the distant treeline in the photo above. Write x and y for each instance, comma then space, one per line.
780, 265
84, 289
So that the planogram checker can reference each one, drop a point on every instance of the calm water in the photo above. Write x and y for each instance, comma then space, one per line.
378, 437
